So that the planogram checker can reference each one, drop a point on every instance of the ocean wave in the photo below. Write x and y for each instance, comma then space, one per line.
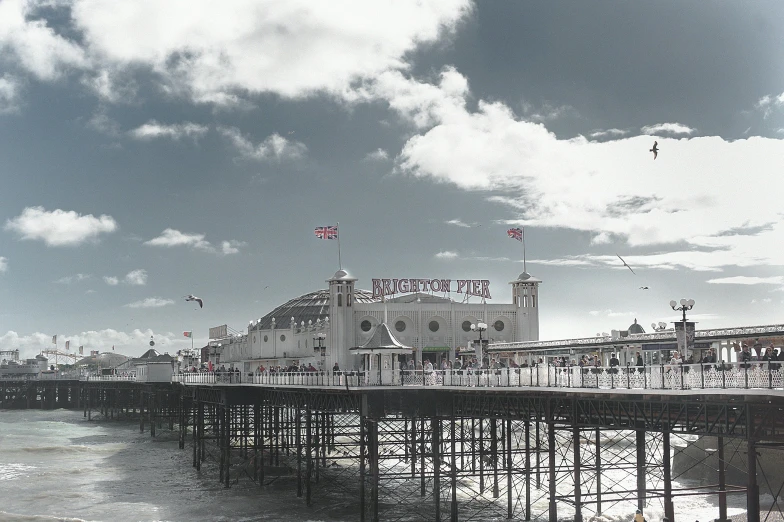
17, 517
14, 470
73, 448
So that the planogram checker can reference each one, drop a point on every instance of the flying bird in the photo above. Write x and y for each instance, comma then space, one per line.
643, 288
191, 297
655, 149
624, 264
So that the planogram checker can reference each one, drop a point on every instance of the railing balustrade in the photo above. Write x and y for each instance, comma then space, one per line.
737, 375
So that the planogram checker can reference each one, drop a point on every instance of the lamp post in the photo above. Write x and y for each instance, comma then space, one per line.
479, 327
660, 327
318, 344
683, 338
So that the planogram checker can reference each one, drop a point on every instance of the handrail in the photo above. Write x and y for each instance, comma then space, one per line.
738, 375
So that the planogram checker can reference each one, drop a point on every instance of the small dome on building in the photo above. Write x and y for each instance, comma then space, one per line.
525, 277
342, 275
636, 328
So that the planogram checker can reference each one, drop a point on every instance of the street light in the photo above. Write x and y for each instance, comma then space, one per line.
686, 304
659, 327
479, 327
686, 337
318, 343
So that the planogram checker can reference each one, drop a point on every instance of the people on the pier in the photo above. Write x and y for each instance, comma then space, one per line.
639, 359
638, 516
336, 367
744, 356
614, 363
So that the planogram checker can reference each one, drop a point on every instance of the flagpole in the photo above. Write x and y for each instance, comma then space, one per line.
340, 264
524, 267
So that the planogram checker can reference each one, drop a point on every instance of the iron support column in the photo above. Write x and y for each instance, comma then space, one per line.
551, 465
722, 482
752, 491
669, 507
641, 494
578, 508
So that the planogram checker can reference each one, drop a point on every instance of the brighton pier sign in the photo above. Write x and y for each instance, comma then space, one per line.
477, 287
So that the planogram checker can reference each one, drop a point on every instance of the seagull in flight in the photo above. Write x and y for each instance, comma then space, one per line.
624, 264
643, 288
191, 297
655, 149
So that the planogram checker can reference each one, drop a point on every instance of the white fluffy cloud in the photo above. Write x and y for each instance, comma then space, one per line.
3, 264
59, 227
457, 223
35, 45
446, 254
9, 94
747, 280
275, 147
211, 54
150, 302
377, 155
132, 343
152, 129
67, 280
609, 132
111, 280
612, 190
172, 238
667, 128
231, 247
136, 277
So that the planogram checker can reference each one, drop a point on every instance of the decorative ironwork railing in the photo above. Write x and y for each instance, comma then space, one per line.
748, 375
667, 335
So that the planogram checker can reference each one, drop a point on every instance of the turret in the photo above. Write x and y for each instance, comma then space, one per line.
341, 308
525, 296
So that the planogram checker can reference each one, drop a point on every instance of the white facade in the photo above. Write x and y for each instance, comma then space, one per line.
321, 327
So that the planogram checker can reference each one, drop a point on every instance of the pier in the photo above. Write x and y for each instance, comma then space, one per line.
485, 447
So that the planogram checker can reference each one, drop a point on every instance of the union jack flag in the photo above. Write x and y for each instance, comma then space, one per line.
328, 232
515, 233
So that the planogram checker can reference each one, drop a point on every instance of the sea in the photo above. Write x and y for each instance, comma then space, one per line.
55, 465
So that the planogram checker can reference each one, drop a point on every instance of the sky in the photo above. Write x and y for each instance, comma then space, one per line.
150, 150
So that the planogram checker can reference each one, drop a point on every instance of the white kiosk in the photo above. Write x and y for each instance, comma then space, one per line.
384, 368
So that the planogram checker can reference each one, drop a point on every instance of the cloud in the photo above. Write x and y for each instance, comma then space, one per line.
587, 186
377, 155
610, 313
275, 147
67, 280
150, 302
59, 227
457, 223
747, 280
34, 45
231, 247
111, 280
136, 277
9, 94
132, 343
546, 112
667, 128
152, 129
608, 132
292, 49
446, 254
172, 238
111, 86
767, 103
3, 264
101, 122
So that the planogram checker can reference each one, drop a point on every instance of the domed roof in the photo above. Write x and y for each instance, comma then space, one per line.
525, 277
636, 328
342, 275
308, 307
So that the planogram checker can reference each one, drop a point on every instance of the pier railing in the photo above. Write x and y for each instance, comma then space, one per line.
748, 375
